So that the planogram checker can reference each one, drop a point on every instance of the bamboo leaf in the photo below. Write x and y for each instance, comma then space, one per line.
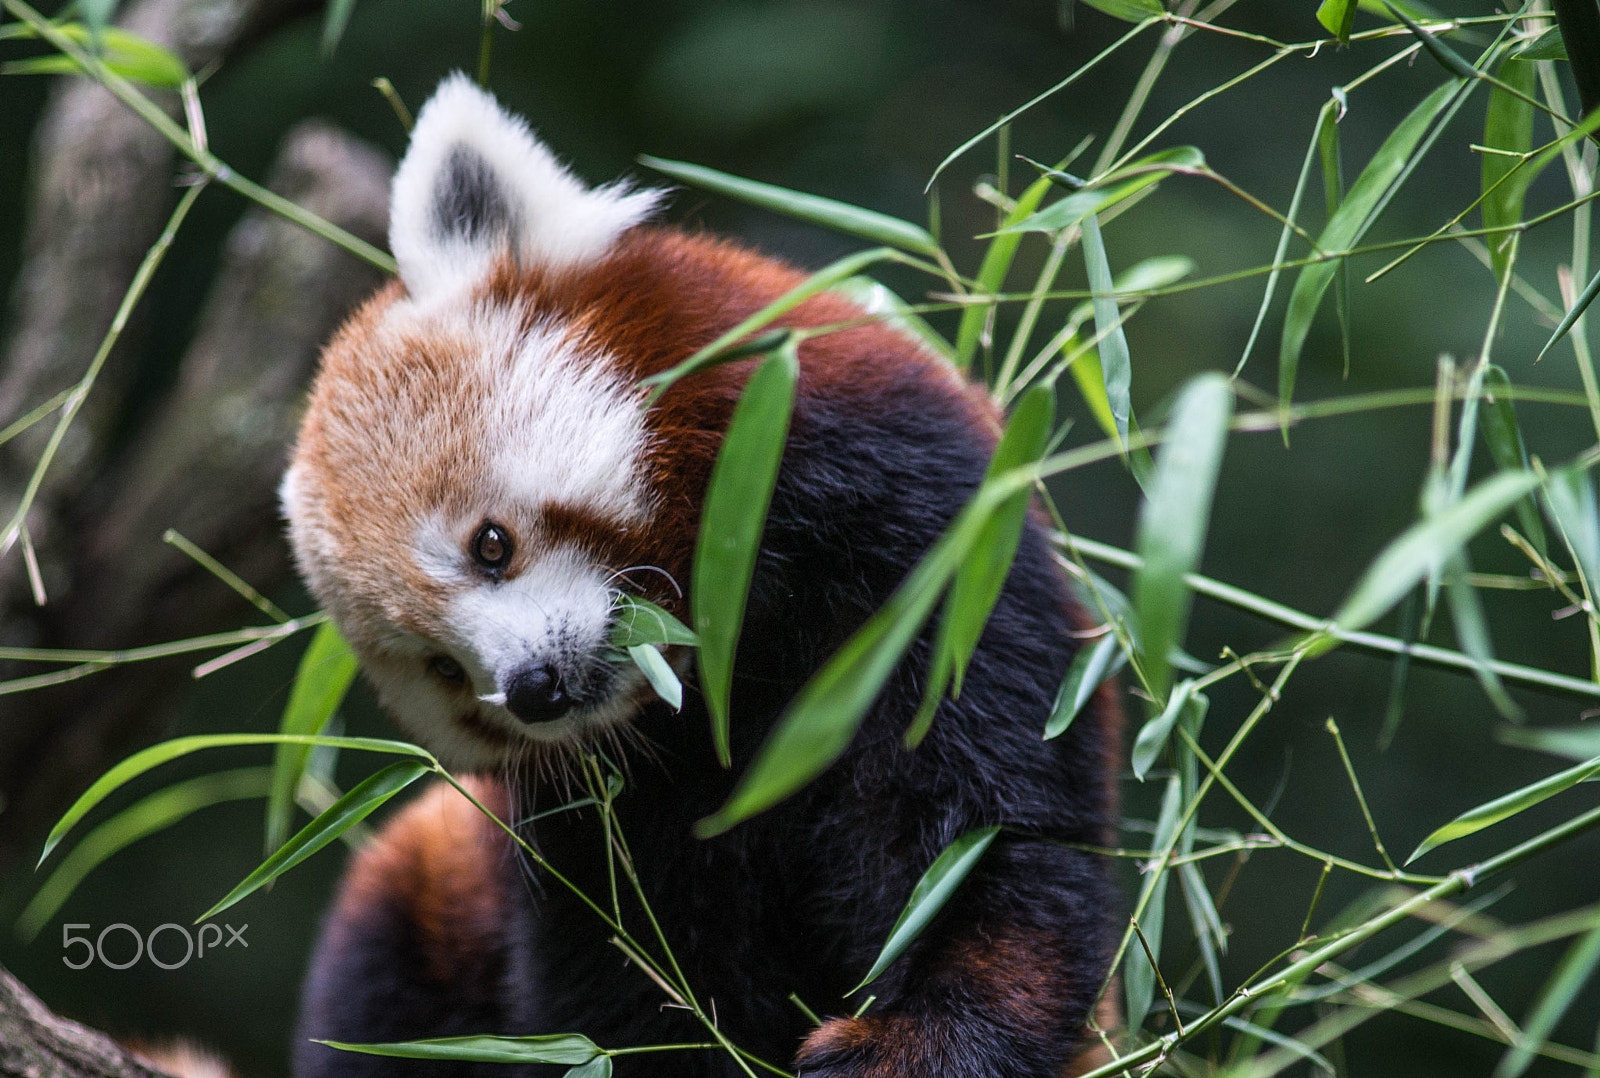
1571, 742
1129, 10
1092, 666
1348, 224
1503, 434
127, 54
1002, 251
1577, 965
1547, 46
1337, 16
334, 22
639, 621
978, 582
1116, 366
1579, 305
570, 1049
1508, 126
1447, 57
1472, 633
1503, 808
1153, 735
326, 670
1173, 522
1427, 545
166, 751
1108, 190
1139, 978
150, 814
838, 216
929, 896
598, 1067
735, 513
1569, 494
819, 723
1579, 22
1330, 154
356, 805
662, 678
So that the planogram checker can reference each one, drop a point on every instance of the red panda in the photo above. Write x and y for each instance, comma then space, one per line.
478, 476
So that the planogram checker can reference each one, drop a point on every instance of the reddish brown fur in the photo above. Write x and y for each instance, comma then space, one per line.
661, 295
436, 864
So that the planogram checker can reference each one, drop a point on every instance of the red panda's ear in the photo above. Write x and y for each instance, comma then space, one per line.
475, 182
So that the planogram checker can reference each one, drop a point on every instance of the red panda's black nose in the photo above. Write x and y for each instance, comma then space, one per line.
538, 694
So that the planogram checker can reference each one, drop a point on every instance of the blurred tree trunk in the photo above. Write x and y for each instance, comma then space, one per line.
207, 461
34, 1043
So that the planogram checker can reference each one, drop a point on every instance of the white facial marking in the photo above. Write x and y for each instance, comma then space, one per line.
569, 431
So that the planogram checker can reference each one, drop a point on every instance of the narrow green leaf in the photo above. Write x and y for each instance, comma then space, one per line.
1507, 126
1447, 57
979, 580
992, 272
356, 805
128, 54
928, 897
1577, 965
1092, 385
1092, 666
1503, 434
1579, 21
570, 1049
639, 621
1337, 16
1547, 46
838, 216
1116, 366
1579, 305
1173, 522
166, 751
1472, 633
150, 814
1330, 153
1569, 495
334, 22
735, 513
662, 678
1129, 10
326, 670
1427, 545
1139, 978
876, 298
1503, 808
819, 723
1570, 742
1153, 735
1110, 189
1349, 224
598, 1067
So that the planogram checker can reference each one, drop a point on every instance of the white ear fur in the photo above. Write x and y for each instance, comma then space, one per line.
475, 180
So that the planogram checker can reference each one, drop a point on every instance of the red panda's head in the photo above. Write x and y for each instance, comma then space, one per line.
471, 474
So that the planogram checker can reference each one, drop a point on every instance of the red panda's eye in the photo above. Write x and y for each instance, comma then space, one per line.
447, 668
491, 547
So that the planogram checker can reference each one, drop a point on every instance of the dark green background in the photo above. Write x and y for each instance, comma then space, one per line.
859, 99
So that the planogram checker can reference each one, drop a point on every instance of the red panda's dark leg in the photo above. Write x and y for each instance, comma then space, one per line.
418, 943
998, 986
